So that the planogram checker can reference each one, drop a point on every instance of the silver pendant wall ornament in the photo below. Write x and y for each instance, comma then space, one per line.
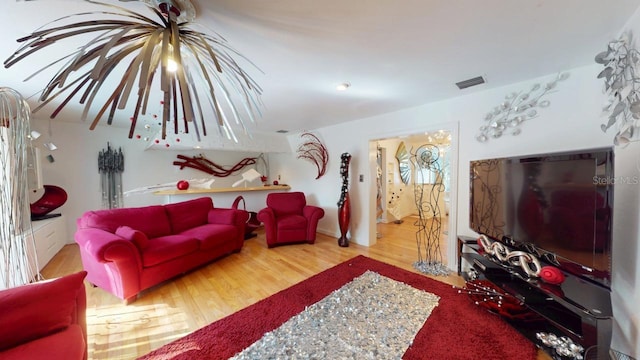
198, 73
517, 108
621, 84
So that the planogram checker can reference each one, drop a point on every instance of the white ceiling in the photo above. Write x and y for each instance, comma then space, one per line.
396, 54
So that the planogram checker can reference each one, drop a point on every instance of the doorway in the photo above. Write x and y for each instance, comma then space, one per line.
396, 183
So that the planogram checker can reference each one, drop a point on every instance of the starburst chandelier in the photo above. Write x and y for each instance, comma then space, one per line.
197, 72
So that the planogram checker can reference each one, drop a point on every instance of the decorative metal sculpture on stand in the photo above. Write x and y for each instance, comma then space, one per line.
344, 204
15, 226
111, 166
313, 149
428, 196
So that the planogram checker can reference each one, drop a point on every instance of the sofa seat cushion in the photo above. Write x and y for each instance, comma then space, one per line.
66, 344
165, 248
292, 222
212, 235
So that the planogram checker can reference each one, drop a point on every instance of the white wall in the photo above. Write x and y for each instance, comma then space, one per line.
75, 168
626, 275
572, 121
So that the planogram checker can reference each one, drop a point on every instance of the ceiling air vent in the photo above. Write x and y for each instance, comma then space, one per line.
282, 131
470, 82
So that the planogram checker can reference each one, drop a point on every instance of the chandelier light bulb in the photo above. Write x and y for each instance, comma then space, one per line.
172, 65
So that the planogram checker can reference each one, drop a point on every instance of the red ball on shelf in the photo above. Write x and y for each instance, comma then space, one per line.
551, 275
182, 185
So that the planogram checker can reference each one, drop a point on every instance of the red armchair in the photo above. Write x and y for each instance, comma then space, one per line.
288, 219
45, 320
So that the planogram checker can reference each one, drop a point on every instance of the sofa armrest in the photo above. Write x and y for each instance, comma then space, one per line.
105, 246
112, 262
226, 216
36, 310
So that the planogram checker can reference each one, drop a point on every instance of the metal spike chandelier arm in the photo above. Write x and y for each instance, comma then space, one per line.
198, 71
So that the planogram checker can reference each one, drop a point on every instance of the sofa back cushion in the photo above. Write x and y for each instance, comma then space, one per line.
188, 214
32, 311
151, 220
290, 203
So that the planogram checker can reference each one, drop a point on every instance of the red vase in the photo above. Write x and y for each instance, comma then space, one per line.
344, 216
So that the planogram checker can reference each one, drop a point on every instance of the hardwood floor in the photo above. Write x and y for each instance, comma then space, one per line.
177, 307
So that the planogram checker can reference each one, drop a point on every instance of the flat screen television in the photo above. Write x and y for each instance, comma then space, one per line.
557, 205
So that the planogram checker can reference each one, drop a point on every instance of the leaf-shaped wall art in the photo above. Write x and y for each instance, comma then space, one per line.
622, 85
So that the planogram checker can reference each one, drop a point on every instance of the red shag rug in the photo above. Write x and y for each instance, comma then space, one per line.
457, 329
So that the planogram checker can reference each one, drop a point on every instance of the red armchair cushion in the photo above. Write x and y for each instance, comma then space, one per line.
32, 311
188, 214
286, 203
136, 236
292, 222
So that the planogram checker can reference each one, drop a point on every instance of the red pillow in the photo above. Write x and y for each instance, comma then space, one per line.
35, 310
138, 237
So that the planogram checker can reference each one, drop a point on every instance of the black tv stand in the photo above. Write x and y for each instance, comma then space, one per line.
577, 309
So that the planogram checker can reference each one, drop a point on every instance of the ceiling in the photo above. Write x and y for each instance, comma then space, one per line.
395, 54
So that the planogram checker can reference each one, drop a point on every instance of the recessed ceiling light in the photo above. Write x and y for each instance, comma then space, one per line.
344, 86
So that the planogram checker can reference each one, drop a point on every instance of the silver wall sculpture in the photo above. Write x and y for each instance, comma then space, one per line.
111, 166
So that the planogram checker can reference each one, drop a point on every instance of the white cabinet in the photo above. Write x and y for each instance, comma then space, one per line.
50, 236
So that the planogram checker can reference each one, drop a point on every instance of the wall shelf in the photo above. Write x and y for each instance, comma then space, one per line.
223, 190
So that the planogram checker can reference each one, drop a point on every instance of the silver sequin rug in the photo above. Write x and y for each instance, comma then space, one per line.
371, 317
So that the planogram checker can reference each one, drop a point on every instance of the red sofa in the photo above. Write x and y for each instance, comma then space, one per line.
125, 251
44, 320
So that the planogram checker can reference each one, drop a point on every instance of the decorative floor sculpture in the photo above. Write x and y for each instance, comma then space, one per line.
428, 195
344, 204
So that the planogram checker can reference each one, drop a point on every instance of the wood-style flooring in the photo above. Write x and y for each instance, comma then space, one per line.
182, 305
